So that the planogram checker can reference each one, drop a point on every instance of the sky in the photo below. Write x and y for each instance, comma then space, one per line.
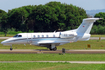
85, 4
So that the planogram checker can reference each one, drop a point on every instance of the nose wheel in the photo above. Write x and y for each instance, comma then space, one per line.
11, 48
54, 49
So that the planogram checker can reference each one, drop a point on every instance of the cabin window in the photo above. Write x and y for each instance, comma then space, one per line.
34, 36
53, 35
65, 34
19, 35
60, 33
38, 35
46, 35
42, 35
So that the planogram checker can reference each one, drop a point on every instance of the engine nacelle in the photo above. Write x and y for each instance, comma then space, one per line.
84, 37
68, 34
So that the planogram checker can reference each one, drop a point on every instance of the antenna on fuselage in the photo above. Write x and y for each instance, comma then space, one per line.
55, 31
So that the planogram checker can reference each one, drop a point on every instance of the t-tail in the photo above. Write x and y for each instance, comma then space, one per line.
86, 25
84, 29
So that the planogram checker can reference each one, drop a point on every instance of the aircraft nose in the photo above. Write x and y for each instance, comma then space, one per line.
3, 42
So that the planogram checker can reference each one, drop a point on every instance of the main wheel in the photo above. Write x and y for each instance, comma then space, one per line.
50, 49
54, 49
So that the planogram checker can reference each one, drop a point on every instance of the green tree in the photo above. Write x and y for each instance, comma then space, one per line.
49, 17
17, 18
100, 15
58, 15
4, 24
98, 27
1, 14
74, 16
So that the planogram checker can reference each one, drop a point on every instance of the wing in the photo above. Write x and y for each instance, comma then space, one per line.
49, 42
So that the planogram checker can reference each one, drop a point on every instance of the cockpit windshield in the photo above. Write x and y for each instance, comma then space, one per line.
18, 36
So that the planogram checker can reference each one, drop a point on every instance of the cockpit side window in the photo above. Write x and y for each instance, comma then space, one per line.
18, 36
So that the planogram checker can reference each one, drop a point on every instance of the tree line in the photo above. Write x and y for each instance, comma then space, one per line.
43, 18
99, 26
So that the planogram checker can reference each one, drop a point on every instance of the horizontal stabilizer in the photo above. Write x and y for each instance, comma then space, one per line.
86, 25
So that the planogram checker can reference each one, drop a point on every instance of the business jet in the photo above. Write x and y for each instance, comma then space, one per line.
53, 39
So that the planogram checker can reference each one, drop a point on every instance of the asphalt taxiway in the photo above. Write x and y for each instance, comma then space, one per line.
81, 62
27, 51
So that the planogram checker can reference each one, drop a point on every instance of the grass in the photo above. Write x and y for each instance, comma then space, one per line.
52, 57
8, 35
98, 35
50, 66
95, 44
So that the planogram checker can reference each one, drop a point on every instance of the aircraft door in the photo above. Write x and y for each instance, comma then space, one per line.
29, 38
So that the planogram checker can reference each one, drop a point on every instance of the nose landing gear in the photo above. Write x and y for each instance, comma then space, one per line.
11, 48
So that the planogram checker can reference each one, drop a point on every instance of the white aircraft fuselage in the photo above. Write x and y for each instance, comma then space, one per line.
53, 39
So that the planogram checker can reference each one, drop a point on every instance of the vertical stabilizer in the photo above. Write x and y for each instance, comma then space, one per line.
86, 25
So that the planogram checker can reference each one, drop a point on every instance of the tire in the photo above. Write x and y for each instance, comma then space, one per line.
50, 49
55, 49
11, 49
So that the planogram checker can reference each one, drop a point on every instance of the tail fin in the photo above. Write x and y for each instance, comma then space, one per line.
86, 25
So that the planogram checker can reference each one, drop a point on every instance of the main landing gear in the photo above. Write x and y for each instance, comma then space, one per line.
52, 47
